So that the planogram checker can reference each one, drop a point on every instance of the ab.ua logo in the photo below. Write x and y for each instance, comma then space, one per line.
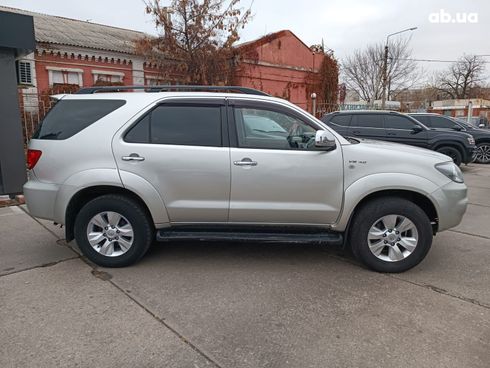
444, 17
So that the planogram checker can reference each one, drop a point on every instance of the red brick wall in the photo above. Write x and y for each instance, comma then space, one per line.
79, 62
281, 65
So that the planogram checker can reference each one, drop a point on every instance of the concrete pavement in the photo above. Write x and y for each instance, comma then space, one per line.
236, 305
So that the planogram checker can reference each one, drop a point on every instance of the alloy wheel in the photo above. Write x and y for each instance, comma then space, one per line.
110, 234
482, 154
392, 238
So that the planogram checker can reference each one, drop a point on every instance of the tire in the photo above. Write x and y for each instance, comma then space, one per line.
383, 208
482, 154
451, 152
131, 234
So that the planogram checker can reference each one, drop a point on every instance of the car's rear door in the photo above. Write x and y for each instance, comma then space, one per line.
181, 148
369, 125
278, 177
401, 129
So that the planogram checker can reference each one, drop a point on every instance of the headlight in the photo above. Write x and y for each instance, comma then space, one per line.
451, 171
471, 141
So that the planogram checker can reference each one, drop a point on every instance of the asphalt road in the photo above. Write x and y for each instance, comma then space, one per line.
235, 305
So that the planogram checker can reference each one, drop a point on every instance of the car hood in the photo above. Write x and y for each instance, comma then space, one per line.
390, 146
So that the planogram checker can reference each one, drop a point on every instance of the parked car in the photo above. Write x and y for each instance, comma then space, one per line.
481, 136
395, 127
475, 121
120, 170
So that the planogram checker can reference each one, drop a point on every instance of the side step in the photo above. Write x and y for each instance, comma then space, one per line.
329, 238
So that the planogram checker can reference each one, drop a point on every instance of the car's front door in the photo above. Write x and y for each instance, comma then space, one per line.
181, 148
278, 177
401, 129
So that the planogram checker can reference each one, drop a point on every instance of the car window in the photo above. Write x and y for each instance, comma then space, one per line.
261, 128
440, 122
367, 121
140, 132
398, 122
424, 120
68, 117
186, 125
262, 124
341, 119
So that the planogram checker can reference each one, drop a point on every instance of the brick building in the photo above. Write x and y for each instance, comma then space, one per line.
72, 53
280, 64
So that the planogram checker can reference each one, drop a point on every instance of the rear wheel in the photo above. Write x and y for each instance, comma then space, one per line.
113, 231
453, 153
482, 154
390, 234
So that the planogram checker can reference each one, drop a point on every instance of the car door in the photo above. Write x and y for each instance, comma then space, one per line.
277, 175
368, 125
402, 129
181, 148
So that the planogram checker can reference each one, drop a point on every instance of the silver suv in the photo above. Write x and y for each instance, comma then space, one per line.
121, 169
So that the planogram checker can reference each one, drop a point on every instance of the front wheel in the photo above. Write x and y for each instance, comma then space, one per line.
453, 153
390, 234
113, 231
482, 153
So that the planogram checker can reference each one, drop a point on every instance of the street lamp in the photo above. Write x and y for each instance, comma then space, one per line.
385, 65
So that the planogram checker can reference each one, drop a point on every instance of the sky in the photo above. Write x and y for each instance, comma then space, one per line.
445, 29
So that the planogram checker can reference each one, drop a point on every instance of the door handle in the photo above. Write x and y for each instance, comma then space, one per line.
133, 157
356, 132
245, 162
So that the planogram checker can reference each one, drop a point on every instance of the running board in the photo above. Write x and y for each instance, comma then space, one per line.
329, 238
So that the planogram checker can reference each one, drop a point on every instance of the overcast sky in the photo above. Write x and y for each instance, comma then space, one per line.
344, 25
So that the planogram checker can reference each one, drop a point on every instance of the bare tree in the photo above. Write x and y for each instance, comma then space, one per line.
363, 70
462, 78
196, 38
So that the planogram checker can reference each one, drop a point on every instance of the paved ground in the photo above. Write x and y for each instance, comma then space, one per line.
231, 305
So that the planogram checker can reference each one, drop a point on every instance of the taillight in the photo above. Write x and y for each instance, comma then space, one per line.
33, 157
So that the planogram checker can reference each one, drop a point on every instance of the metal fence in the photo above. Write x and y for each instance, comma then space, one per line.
33, 108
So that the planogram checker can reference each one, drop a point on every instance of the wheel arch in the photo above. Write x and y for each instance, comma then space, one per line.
411, 187
85, 195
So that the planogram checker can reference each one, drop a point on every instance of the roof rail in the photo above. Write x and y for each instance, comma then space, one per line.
166, 88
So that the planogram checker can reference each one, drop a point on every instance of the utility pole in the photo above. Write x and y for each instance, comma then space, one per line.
385, 65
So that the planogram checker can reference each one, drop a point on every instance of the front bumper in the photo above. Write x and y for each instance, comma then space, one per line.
451, 200
469, 152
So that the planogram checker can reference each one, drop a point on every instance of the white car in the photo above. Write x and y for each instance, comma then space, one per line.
121, 169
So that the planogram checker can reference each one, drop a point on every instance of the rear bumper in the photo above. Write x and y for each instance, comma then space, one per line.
40, 198
451, 200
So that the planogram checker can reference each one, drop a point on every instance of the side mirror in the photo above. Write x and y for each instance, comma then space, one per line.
481, 125
457, 127
324, 140
417, 129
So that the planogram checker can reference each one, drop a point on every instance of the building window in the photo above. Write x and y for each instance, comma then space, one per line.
155, 81
65, 76
24, 72
107, 76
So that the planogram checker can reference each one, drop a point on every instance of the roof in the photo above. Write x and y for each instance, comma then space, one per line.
72, 32
268, 38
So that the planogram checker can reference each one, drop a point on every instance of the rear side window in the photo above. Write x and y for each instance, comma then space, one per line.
398, 122
367, 121
189, 125
341, 119
68, 117
424, 120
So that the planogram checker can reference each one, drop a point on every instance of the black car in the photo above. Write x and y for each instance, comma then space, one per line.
481, 136
395, 127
